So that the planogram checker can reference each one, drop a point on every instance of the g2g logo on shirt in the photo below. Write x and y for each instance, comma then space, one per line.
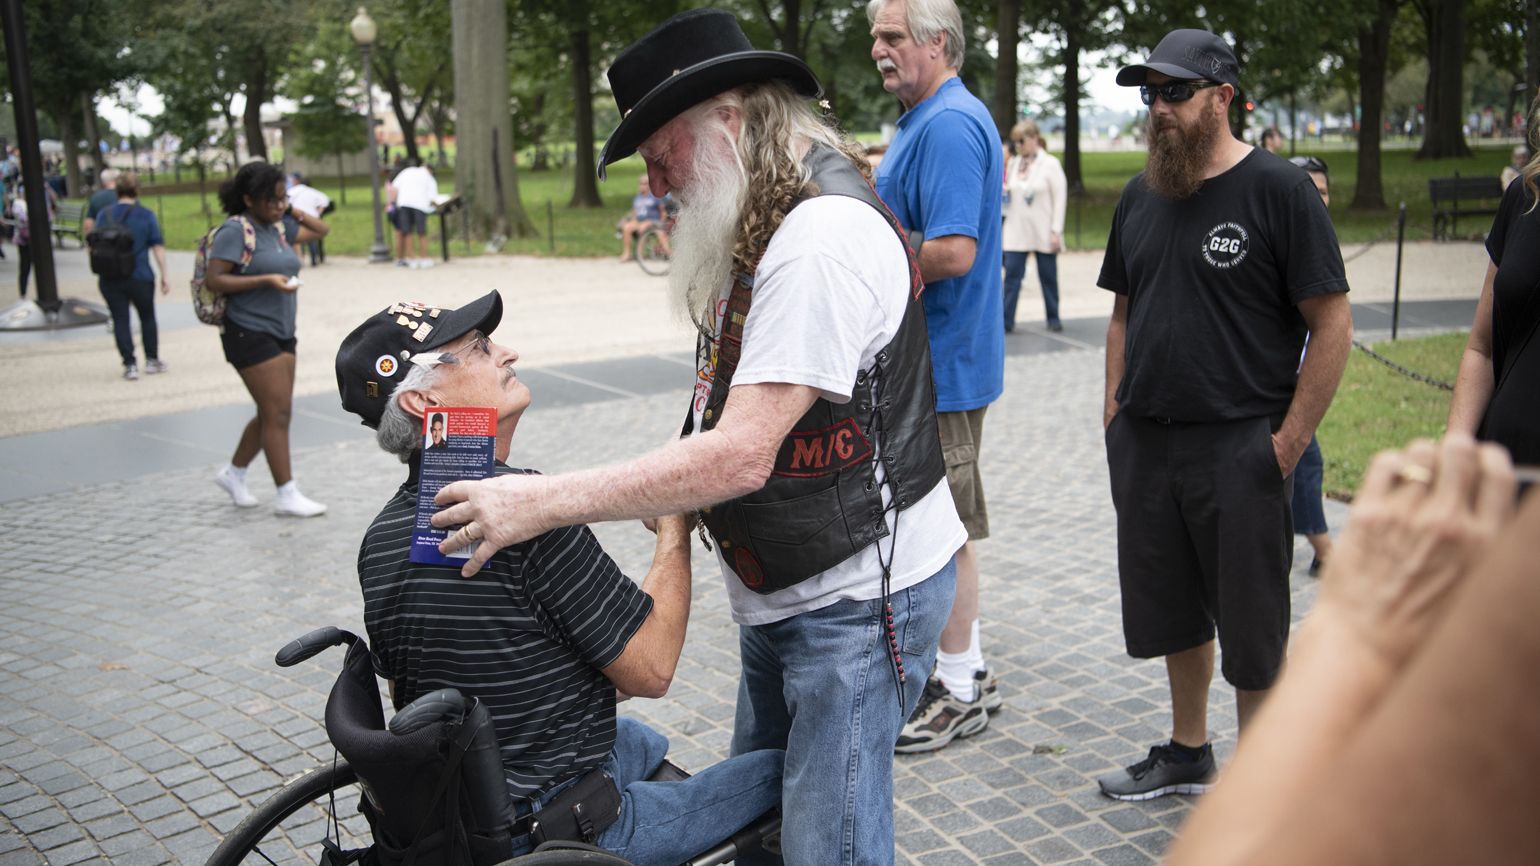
1226, 245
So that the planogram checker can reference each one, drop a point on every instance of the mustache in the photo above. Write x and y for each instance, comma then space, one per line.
886, 65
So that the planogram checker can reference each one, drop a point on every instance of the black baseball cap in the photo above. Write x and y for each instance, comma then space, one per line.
374, 359
1187, 54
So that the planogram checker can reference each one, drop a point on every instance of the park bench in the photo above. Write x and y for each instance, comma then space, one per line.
1454, 197
67, 220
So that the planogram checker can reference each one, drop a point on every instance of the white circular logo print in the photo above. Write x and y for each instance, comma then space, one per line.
1226, 245
385, 365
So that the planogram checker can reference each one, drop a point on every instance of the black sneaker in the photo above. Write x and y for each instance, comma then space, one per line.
1160, 774
940, 719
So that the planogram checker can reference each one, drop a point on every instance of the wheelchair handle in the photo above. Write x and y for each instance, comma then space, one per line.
305, 647
442, 705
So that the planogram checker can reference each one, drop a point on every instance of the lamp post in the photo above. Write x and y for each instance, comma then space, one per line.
364, 31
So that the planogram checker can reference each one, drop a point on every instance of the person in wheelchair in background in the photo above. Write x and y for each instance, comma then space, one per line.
647, 211
548, 635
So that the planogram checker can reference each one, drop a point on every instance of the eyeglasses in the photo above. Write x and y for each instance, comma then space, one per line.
1310, 163
479, 343
1172, 92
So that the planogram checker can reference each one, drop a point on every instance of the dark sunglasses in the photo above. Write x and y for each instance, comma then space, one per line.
1310, 163
1172, 92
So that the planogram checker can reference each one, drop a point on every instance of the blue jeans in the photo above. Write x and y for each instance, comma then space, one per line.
667, 823
1047, 274
821, 686
1309, 512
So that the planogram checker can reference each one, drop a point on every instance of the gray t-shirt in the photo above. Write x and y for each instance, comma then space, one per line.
267, 311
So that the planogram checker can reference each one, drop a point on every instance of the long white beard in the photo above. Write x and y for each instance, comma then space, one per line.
709, 213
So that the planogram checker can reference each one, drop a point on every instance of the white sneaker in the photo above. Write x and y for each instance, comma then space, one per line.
235, 485
292, 503
425, 263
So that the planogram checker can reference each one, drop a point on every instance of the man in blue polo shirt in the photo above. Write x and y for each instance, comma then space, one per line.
941, 177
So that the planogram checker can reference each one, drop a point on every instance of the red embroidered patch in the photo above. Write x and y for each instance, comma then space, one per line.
748, 569
811, 453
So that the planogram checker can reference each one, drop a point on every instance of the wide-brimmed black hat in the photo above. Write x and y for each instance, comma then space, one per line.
1187, 54
374, 359
687, 59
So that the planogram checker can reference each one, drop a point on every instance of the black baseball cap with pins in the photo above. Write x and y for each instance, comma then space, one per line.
1187, 54
374, 359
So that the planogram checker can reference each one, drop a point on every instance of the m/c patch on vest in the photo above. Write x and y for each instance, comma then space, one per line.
811, 453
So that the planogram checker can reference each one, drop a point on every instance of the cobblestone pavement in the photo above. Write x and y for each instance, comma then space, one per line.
143, 716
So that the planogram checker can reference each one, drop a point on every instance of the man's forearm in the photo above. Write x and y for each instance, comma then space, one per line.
668, 582
683, 475
1331, 339
1117, 328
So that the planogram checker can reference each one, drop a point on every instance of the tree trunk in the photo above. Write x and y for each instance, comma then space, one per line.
93, 134
1373, 60
791, 39
1445, 25
1072, 173
71, 136
585, 188
1008, 34
480, 51
385, 71
342, 180
439, 121
256, 94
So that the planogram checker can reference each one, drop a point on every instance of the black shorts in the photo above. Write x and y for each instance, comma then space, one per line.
410, 220
1205, 541
245, 348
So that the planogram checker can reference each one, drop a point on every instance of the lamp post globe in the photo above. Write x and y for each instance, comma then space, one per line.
364, 31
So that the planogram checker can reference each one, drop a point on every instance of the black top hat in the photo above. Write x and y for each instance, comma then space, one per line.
374, 359
687, 59
1187, 54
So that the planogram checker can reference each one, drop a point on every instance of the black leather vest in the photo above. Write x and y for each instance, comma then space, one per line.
822, 503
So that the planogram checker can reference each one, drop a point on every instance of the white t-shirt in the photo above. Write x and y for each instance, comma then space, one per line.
416, 188
308, 199
830, 292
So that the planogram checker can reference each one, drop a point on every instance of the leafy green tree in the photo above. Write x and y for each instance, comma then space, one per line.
78, 48
329, 129
1092, 25
484, 170
1444, 23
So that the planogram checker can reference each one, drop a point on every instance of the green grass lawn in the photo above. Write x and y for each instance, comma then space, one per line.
591, 232
1377, 408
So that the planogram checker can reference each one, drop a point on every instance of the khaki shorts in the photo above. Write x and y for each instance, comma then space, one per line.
961, 434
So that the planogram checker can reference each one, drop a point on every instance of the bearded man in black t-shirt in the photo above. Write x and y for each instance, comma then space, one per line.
1222, 258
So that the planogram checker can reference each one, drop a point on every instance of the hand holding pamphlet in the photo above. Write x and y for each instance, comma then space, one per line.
457, 445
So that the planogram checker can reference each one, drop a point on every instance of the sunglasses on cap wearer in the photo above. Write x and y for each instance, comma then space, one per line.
1310, 163
1172, 91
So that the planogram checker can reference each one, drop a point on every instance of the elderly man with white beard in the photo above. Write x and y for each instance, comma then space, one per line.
809, 449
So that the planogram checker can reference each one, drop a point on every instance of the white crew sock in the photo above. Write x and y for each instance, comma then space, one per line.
956, 669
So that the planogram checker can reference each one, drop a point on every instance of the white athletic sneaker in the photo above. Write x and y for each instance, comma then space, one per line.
292, 503
425, 263
234, 483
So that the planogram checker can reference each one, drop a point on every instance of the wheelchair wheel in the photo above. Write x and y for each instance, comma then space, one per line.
649, 252
290, 826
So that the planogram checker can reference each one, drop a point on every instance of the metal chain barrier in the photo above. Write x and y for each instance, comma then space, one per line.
1405, 371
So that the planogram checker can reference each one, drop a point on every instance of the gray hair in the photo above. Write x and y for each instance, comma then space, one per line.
926, 19
400, 432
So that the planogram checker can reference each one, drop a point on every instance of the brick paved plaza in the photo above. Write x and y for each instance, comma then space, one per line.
143, 716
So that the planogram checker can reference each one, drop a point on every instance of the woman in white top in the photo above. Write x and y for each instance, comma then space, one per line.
1034, 197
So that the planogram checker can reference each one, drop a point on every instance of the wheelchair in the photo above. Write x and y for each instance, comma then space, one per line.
428, 786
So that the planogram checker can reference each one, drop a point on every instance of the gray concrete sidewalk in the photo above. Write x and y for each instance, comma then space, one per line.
144, 717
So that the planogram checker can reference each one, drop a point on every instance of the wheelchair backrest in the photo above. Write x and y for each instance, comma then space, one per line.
434, 794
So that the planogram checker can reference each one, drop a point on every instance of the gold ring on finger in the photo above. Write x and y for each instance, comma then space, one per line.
1415, 473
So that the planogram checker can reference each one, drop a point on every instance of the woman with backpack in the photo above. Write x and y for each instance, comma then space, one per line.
252, 263
130, 282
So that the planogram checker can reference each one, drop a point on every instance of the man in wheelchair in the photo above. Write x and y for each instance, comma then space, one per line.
551, 632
